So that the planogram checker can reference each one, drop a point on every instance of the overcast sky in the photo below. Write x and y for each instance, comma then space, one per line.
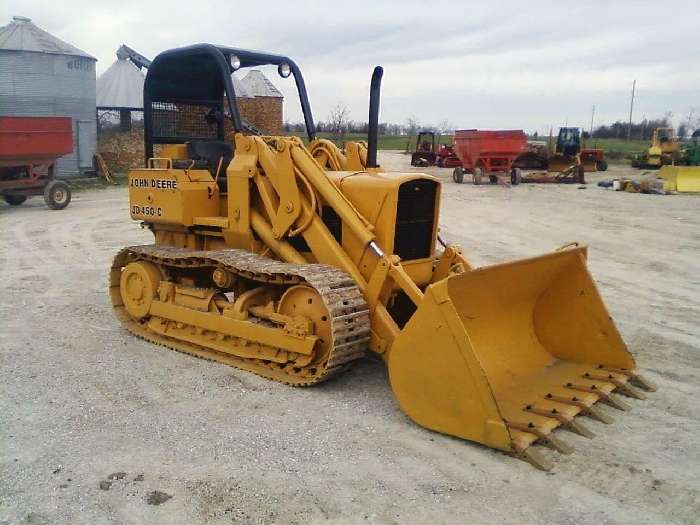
476, 64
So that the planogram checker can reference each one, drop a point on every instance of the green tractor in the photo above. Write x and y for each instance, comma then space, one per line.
691, 150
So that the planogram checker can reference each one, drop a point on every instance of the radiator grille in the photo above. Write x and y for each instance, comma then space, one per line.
413, 236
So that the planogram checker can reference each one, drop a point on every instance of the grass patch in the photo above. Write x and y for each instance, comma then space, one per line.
615, 149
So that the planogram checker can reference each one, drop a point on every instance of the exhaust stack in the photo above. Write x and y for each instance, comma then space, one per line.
373, 127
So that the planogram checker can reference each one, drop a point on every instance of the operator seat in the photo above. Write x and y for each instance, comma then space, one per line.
210, 152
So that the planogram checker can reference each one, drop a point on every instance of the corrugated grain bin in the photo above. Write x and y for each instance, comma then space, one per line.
41, 75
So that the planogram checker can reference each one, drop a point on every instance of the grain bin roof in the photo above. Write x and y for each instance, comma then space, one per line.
239, 88
258, 85
121, 86
22, 35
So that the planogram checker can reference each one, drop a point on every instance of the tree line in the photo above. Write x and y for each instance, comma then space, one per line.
338, 123
643, 130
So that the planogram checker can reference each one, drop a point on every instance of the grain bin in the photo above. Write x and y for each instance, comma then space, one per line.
41, 75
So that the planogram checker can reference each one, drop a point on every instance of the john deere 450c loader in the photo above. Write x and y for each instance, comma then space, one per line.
277, 262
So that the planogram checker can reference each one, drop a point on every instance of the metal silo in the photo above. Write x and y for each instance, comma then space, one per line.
41, 75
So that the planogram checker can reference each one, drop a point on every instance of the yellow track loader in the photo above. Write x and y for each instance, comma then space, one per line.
291, 266
664, 150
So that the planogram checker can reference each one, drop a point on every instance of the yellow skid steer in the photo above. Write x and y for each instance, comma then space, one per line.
290, 262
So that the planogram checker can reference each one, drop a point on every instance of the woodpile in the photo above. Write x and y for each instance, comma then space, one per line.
265, 113
121, 150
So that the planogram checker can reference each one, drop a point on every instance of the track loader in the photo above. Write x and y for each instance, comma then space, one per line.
268, 260
664, 150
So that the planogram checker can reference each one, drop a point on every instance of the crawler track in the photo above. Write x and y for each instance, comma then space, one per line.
349, 313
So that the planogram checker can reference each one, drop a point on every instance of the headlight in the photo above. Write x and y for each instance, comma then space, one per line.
284, 70
235, 62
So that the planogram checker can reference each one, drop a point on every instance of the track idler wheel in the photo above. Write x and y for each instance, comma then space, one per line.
138, 286
305, 303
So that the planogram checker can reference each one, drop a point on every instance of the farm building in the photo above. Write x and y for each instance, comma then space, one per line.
120, 111
263, 105
120, 89
41, 75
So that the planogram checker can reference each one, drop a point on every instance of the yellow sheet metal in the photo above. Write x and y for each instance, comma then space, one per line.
681, 178
487, 347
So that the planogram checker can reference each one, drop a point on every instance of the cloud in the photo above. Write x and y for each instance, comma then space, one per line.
496, 64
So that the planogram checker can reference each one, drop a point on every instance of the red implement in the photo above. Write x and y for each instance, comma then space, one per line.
29, 147
488, 153
34, 140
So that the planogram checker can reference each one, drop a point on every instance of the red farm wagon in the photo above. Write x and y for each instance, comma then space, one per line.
29, 147
488, 155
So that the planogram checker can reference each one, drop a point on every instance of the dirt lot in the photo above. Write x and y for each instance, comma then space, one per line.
97, 426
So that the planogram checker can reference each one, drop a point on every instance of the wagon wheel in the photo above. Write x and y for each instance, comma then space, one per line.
516, 176
57, 195
458, 175
476, 175
14, 200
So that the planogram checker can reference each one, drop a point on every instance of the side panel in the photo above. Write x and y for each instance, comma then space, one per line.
172, 196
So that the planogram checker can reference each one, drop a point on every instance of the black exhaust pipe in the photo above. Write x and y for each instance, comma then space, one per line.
373, 125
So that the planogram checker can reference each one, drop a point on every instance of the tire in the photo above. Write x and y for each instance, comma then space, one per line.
601, 165
14, 200
516, 176
57, 195
458, 175
476, 176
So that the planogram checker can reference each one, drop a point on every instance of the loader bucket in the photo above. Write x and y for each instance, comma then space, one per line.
505, 354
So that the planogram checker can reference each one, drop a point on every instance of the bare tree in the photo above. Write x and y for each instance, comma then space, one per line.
338, 120
445, 127
411, 129
692, 122
412, 125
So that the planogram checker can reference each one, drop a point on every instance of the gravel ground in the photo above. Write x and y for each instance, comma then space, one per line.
97, 426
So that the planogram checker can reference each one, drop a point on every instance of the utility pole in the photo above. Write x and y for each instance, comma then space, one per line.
592, 116
629, 128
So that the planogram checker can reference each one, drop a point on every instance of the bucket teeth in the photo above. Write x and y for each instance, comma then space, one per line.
567, 422
615, 402
603, 397
630, 391
621, 385
634, 378
557, 444
545, 438
596, 413
535, 458
586, 410
643, 383
578, 428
